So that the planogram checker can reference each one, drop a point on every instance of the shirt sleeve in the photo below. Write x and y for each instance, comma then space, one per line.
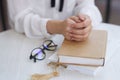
89, 8
31, 24
24, 19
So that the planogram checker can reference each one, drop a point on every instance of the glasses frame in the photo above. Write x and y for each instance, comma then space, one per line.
47, 45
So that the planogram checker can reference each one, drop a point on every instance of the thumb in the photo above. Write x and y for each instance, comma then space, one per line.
82, 17
71, 21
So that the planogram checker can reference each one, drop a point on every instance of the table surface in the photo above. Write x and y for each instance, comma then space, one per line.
15, 49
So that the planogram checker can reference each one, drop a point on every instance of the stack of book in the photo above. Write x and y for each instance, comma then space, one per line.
87, 56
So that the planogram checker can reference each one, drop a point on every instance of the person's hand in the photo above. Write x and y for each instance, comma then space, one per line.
66, 26
75, 28
60, 27
81, 28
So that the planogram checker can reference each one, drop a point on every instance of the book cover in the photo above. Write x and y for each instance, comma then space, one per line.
87, 70
90, 52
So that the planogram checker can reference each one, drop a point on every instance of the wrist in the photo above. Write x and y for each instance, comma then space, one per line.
55, 26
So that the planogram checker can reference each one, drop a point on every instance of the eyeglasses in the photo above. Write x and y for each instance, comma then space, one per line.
39, 53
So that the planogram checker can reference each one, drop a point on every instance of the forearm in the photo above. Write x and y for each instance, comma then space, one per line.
54, 26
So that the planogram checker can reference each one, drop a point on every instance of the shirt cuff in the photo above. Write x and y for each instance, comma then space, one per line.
44, 28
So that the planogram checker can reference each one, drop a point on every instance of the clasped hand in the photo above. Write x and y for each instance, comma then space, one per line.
77, 28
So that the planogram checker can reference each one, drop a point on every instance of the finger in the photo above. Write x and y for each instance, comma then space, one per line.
69, 21
82, 17
69, 29
67, 36
83, 24
73, 39
80, 37
80, 31
76, 19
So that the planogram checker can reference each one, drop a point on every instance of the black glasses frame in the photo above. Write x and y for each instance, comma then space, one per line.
48, 45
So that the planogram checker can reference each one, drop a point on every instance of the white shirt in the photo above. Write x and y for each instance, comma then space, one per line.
30, 16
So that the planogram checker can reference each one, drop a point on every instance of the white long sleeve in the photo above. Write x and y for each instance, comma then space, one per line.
31, 16
31, 24
24, 18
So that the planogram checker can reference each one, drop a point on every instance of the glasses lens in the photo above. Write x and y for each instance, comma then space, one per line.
48, 42
49, 45
38, 54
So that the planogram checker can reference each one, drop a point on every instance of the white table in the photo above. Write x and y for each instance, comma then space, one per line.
15, 49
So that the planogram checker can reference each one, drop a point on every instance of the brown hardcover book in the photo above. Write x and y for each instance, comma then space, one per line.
90, 52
